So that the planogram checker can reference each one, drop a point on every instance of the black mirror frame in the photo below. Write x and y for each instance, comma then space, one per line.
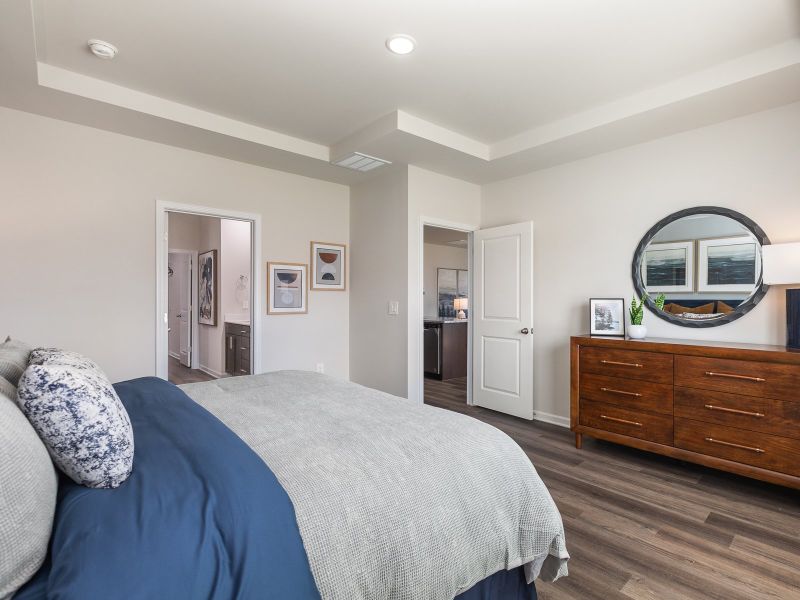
741, 310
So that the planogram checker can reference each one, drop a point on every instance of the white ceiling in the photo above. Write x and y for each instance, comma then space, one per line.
494, 88
444, 237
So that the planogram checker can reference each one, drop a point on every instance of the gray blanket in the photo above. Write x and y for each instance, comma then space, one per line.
394, 500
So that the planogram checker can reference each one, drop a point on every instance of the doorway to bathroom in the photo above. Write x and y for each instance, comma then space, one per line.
208, 318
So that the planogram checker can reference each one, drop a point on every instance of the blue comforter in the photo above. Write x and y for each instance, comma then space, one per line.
201, 516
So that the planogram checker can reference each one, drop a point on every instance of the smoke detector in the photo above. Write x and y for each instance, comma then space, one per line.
360, 162
102, 49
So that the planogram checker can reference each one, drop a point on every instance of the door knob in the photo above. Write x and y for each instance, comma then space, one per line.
525, 331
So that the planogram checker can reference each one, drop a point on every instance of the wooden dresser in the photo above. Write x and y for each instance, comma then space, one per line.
734, 407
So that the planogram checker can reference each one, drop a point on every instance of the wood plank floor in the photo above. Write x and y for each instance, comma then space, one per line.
178, 374
649, 527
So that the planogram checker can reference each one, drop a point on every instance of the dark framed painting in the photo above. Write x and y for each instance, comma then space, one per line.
207, 288
287, 288
607, 316
731, 264
668, 267
328, 266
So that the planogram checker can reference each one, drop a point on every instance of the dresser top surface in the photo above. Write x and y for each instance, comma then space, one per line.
681, 346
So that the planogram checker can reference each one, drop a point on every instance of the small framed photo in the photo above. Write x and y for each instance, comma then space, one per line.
328, 266
207, 288
607, 316
287, 288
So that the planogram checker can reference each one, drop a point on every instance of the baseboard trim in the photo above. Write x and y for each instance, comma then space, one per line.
551, 418
175, 355
211, 372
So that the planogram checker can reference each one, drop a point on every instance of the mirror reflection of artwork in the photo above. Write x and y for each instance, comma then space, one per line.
728, 264
328, 264
669, 267
286, 288
451, 284
707, 263
207, 288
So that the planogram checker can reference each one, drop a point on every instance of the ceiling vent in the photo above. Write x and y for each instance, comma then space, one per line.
361, 162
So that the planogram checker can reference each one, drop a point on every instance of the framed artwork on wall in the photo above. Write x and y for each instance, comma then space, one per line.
207, 288
607, 316
328, 266
669, 267
730, 264
287, 288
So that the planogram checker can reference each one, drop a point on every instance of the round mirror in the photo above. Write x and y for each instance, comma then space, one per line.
704, 263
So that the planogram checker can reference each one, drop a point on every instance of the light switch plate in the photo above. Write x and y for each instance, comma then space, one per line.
394, 307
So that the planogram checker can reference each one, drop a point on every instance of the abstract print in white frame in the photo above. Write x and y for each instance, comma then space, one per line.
328, 266
287, 288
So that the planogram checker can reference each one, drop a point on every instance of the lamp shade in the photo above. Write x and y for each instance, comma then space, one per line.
461, 304
781, 263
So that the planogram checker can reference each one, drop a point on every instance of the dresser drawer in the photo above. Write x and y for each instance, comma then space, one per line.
631, 364
760, 450
750, 378
630, 393
734, 410
646, 426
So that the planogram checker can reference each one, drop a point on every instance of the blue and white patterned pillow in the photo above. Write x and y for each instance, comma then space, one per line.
54, 356
81, 420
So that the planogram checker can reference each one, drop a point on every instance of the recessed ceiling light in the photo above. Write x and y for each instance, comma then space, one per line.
102, 49
401, 44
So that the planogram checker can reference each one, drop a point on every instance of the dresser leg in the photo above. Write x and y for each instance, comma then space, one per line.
578, 440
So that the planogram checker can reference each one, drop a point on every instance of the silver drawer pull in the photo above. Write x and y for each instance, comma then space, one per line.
621, 392
735, 411
621, 364
732, 445
734, 376
624, 421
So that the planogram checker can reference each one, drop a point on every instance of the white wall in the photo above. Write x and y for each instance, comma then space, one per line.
437, 256
378, 267
234, 262
589, 216
78, 243
211, 343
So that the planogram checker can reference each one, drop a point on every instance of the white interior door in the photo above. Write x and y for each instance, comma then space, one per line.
185, 315
502, 315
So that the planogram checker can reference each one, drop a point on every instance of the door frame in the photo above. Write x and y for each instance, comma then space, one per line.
416, 313
195, 326
163, 208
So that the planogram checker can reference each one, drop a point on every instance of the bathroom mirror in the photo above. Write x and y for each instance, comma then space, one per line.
706, 261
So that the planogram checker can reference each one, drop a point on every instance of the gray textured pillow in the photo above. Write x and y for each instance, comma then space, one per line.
9, 391
82, 422
13, 360
28, 486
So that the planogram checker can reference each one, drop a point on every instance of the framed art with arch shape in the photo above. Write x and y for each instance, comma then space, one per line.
287, 288
328, 266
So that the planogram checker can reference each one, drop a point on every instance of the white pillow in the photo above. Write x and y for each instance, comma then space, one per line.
81, 420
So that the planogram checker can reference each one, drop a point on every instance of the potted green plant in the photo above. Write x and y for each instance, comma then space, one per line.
637, 330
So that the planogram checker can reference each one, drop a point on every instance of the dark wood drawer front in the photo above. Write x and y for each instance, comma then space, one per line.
745, 412
236, 329
760, 450
650, 366
765, 380
630, 393
646, 426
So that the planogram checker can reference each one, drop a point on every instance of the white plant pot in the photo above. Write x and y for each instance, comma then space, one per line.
637, 332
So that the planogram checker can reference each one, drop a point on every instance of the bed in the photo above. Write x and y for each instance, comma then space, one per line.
298, 485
